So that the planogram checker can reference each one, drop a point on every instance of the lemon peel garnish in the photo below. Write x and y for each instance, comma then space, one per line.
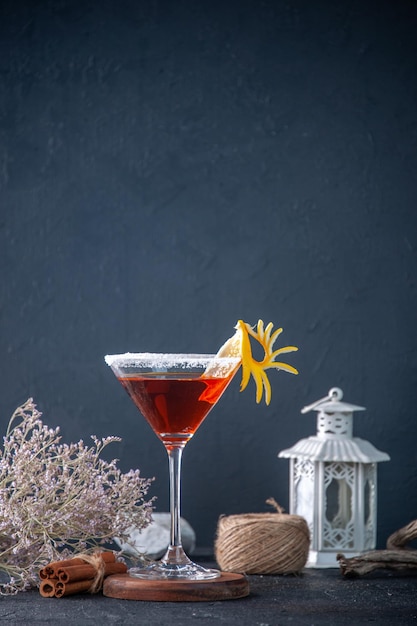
257, 369
240, 345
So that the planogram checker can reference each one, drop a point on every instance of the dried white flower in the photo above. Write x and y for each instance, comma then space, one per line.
57, 499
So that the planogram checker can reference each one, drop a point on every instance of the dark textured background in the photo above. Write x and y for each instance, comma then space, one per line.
168, 167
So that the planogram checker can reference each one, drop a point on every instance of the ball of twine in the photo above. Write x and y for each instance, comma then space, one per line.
262, 543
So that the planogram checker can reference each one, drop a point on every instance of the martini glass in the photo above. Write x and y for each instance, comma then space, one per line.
174, 392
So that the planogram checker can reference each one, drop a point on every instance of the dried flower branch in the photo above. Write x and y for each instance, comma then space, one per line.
57, 499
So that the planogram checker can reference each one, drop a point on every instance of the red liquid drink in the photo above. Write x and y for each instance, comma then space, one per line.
174, 404
174, 392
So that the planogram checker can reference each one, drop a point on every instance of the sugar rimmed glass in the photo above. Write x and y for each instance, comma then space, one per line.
175, 393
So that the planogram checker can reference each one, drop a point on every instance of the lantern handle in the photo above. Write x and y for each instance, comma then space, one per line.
335, 394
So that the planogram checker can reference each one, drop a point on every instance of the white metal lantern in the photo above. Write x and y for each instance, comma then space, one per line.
333, 483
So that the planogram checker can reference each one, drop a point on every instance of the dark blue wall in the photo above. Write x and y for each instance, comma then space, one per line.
168, 167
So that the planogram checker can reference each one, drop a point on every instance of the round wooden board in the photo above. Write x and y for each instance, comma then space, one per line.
228, 586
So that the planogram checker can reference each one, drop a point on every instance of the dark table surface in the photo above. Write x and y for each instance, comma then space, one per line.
314, 597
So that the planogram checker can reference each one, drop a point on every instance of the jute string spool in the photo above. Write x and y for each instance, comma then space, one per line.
262, 543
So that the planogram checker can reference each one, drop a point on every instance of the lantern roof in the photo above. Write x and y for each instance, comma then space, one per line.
334, 441
332, 404
354, 450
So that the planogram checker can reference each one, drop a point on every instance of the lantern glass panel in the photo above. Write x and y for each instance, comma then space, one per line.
369, 506
367, 503
338, 503
338, 523
304, 489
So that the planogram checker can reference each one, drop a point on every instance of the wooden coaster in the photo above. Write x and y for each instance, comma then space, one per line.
228, 586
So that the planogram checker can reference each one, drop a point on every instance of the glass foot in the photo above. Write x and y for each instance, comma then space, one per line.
174, 565
163, 572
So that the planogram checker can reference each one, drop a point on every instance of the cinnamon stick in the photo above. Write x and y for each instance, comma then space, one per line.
69, 589
47, 588
50, 570
115, 568
70, 576
73, 573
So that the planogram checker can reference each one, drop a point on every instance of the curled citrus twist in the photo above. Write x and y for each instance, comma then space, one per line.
257, 369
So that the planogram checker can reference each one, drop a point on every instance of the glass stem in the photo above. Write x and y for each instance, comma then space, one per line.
175, 457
